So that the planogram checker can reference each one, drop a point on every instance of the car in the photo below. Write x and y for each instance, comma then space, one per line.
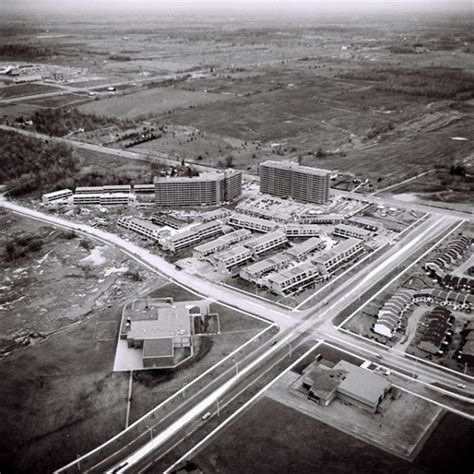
206, 415
379, 356
460, 385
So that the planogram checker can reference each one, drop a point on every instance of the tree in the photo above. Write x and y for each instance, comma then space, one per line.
229, 160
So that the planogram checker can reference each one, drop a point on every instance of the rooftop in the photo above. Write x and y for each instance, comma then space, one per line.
340, 248
292, 166
361, 383
288, 273
158, 348
203, 177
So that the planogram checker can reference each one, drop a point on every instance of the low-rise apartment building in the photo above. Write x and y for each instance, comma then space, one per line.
348, 231
321, 218
438, 323
252, 210
293, 278
189, 237
220, 244
252, 223
390, 315
303, 249
301, 230
232, 257
364, 222
217, 214
258, 269
266, 242
141, 226
330, 260
56, 196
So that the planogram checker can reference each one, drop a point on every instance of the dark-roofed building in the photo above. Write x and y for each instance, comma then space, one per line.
438, 324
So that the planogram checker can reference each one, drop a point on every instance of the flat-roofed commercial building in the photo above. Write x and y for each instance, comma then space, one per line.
301, 230
141, 226
301, 250
55, 196
210, 188
329, 260
293, 278
191, 236
288, 179
348, 382
220, 244
347, 231
390, 314
266, 242
232, 257
252, 223
160, 328
258, 269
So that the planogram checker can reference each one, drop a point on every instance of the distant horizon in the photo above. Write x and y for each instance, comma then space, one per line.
271, 8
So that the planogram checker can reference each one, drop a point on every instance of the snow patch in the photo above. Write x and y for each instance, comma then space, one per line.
95, 257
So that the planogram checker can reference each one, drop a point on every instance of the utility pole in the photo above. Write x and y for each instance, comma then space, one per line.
218, 408
414, 368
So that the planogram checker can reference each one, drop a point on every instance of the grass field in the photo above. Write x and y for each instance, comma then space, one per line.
21, 90
155, 101
273, 438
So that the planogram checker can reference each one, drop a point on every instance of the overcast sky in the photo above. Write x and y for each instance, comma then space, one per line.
349, 6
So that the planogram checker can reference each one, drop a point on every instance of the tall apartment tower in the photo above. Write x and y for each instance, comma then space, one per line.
287, 179
206, 189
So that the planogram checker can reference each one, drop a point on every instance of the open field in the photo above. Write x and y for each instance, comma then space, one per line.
154, 101
269, 437
58, 346
13, 91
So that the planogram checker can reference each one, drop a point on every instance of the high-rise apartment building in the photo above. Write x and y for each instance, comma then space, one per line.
210, 188
287, 179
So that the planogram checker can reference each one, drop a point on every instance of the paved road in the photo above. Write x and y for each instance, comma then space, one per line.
296, 323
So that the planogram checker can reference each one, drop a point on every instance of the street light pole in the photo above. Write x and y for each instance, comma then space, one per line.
218, 408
